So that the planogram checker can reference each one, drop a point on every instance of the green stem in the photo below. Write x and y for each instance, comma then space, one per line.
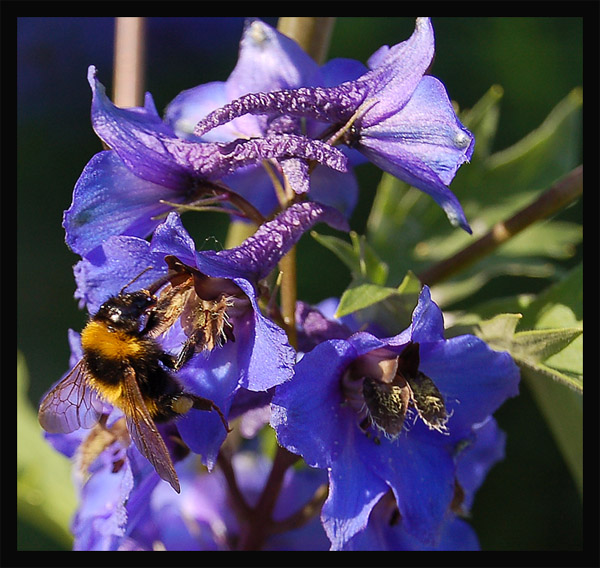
313, 35
561, 194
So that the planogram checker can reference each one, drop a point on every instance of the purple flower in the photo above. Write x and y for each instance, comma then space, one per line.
203, 518
269, 61
385, 530
122, 191
253, 353
399, 118
383, 414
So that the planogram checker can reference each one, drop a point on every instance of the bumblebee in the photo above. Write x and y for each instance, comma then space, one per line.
124, 365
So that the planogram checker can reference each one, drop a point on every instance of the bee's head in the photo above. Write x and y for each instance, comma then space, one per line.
124, 311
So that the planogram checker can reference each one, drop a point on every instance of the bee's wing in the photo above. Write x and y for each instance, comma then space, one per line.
143, 431
71, 404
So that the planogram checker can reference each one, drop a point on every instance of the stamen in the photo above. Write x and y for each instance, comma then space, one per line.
362, 109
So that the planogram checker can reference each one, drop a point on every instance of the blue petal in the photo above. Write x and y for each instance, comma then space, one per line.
189, 106
336, 189
259, 254
422, 479
396, 72
307, 411
215, 377
138, 136
171, 237
265, 357
341, 70
353, 492
101, 519
423, 144
474, 379
268, 358
427, 320
254, 185
110, 200
269, 61
123, 259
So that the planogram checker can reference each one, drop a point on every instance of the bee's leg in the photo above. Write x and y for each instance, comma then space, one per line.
152, 322
188, 349
201, 403
168, 361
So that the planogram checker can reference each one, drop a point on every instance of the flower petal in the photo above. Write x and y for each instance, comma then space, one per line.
120, 260
110, 200
422, 479
137, 135
267, 357
215, 377
189, 106
259, 254
427, 320
283, 64
473, 378
353, 492
423, 144
396, 72
306, 412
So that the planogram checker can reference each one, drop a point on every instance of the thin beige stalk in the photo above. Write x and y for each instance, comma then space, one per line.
129, 62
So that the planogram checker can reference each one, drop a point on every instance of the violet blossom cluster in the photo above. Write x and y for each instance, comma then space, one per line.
391, 435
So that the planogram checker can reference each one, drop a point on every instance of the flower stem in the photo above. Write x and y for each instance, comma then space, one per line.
313, 35
561, 194
129, 67
260, 523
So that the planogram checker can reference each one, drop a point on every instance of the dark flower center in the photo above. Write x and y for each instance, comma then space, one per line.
383, 389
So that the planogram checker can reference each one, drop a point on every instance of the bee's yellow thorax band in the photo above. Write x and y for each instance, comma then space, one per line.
112, 345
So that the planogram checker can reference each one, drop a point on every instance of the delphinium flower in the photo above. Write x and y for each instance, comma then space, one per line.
398, 117
128, 189
385, 530
269, 61
396, 432
207, 518
249, 351
391, 414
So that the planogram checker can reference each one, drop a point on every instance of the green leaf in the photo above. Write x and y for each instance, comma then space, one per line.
390, 308
536, 346
562, 408
45, 493
531, 349
360, 296
561, 305
358, 255
491, 188
553, 349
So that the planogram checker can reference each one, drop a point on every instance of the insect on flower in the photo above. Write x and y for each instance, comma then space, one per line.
124, 365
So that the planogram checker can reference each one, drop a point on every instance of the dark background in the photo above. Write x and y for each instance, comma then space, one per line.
529, 501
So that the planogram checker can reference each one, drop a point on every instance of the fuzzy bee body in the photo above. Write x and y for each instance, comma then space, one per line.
125, 366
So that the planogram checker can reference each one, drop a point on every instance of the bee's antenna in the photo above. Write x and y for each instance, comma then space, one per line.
134, 279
